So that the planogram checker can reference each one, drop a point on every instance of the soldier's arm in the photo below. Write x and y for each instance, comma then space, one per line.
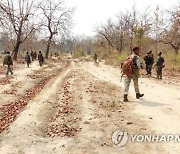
11, 60
138, 62
4, 62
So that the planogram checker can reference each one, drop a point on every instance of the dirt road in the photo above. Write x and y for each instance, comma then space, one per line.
80, 107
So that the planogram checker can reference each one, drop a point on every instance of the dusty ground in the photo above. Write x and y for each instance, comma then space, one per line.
79, 107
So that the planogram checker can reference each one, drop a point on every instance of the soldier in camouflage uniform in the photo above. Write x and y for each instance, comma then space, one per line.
28, 59
9, 62
134, 76
40, 58
149, 60
95, 58
159, 65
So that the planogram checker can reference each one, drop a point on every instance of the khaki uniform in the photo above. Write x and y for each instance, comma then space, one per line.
134, 76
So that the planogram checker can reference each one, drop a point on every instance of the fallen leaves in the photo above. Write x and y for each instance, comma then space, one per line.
62, 129
5, 80
11, 92
11, 110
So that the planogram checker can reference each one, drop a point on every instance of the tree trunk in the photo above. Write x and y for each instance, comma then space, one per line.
121, 44
15, 50
131, 44
48, 46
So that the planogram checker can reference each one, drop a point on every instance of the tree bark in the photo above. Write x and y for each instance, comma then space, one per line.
15, 50
48, 46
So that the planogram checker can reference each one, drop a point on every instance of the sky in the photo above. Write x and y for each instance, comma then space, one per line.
91, 13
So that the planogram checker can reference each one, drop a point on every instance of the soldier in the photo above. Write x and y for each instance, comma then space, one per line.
40, 58
149, 60
9, 62
95, 58
134, 64
51, 55
28, 59
159, 65
32, 55
35, 55
152, 56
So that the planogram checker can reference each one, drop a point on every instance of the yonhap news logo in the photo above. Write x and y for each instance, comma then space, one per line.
120, 138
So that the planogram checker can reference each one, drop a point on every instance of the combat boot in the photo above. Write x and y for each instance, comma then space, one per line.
125, 98
139, 95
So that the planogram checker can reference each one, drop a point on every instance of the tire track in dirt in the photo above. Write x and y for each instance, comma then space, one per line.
11, 110
30, 123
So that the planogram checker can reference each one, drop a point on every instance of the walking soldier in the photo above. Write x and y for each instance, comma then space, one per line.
9, 62
40, 58
28, 59
130, 69
159, 65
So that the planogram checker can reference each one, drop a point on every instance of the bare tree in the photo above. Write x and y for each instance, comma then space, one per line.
16, 17
171, 33
56, 19
113, 33
126, 30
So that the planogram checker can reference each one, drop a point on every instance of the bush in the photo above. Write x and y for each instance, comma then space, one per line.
116, 58
172, 61
78, 54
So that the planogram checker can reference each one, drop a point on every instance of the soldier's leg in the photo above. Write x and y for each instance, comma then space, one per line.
7, 72
147, 69
40, 63
136, 86
157, 71
160, 73
150, 69
127, 81
10, 69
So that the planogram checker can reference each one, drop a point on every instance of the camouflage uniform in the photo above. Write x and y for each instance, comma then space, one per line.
95, 58
159, 66
149, 60
28, 59
8, 61
41, 59
134, 76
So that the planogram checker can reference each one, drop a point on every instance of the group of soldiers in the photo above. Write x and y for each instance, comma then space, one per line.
33, 56
136, 66
28, 58
133, 60
149, 61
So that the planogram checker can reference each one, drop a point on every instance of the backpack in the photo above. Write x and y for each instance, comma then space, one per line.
28, 58
160, 62
127, 66
8, 60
